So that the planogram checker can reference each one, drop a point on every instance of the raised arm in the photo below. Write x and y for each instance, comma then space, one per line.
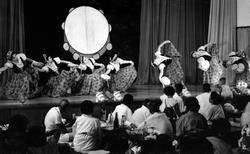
6, 66
97, 64
121, 61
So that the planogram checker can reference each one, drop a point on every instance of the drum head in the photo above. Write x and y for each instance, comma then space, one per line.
86, 32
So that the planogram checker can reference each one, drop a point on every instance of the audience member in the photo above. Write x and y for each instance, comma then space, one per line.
192, 121
203, 100
123, 110
54, 121
245, 117
179, 97
219, 137
87, 129
167, 98
225, 92
216, 110
141, 113
158, 121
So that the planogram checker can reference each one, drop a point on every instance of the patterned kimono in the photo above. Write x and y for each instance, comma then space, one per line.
174, 70
23, 84
90, 81
215, 71
60, 84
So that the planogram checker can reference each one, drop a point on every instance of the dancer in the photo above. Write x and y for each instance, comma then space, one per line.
61, 82
119, 76
209, 62
23, 84
162, 62
91, 81
240, 63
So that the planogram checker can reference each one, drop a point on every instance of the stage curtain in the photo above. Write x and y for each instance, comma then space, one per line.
184, 22
243, 39
11, 32
222, 29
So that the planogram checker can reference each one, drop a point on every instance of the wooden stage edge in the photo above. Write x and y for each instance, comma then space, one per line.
140, 92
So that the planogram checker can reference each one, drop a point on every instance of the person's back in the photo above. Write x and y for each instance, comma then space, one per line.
216, 111
141, 114
203, 100
191, 121
86, 129
52, 118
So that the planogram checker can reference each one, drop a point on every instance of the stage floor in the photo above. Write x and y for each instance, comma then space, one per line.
140, 92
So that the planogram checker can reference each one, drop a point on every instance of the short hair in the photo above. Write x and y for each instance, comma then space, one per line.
178, 87
64, 104
206, 87
216, 98
154, 106
192, 104
169, 91
87, 107
128, 99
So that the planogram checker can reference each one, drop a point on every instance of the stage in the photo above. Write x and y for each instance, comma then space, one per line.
36, 108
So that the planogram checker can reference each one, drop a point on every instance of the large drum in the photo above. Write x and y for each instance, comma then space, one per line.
86, 33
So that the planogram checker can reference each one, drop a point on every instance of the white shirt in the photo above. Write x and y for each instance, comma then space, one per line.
140, 115
52, 118
204, 103
167, 102
87, 132
180, 102
122, 110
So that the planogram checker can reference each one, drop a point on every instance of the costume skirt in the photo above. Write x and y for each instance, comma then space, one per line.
123, 79
89, 84
61, 84
21, 86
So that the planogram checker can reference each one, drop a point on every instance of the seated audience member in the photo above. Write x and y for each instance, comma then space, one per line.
225, 90
15, 140
203, 100
86, 129
216, 111
245, 116
158, 121
195, 144
141, 113
179, 96
54, 121
37, 143
192, 121
219, 136
124, 110
167, 98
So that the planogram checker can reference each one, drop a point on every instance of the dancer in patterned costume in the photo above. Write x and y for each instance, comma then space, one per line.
60, 83
91, 81
209, 62
240, 63
119, 77
23, 83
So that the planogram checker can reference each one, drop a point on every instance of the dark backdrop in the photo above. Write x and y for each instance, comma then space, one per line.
44, 34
